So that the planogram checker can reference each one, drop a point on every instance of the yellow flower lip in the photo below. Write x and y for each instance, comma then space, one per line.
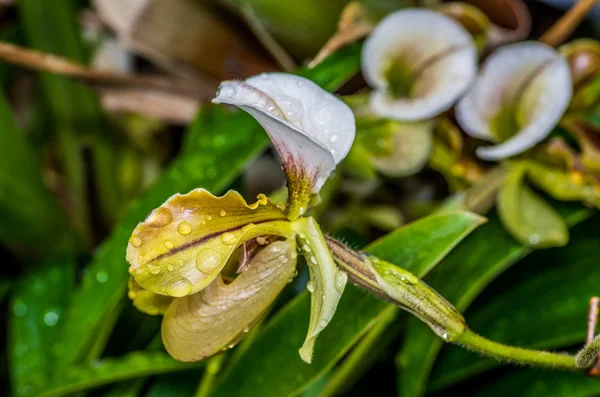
185, 254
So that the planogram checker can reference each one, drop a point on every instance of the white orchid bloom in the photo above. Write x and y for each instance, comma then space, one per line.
419, 63
311, 129
522, 92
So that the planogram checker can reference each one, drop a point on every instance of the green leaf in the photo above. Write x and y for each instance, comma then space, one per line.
529, 382
102, 372
210, 160
459, 278
181, 384
36, 314
361, 358
526, 215
542, 305
33, 224
258, 370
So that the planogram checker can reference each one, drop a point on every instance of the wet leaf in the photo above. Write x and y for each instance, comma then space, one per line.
37, 309
526, 215
215, 319
109, 370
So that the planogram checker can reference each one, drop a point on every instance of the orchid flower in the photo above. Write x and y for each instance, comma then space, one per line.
418, 62
214, 265
522, 92
179, 254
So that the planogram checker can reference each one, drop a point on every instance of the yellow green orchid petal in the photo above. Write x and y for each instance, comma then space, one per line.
146, 301
519, 97
326, 284
419, 62
311, 129
529, 218
183, 245
410, 148
203, 324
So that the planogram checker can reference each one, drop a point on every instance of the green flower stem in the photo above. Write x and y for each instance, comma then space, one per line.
516, 355
405, 290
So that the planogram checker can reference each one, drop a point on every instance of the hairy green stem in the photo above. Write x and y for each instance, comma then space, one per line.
516, 355
407, 291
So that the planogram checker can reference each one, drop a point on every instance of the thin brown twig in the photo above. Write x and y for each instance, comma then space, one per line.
44, 62
591, 332
565, 26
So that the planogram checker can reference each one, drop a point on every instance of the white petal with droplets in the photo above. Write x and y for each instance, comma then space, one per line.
311, 129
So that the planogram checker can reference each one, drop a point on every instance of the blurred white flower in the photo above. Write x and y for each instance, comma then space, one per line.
520, 95
418, 63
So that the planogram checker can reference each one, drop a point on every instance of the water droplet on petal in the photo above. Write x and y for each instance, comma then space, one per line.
136, 241
184, 228
209, 218
180, 288
223, 213
340, 280
334, 138
169, 244
310, 286
153, 269
160, 217
207, 263
170, 267
228, 238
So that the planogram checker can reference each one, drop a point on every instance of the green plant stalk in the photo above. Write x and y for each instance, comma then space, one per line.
516, 355
418, 298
